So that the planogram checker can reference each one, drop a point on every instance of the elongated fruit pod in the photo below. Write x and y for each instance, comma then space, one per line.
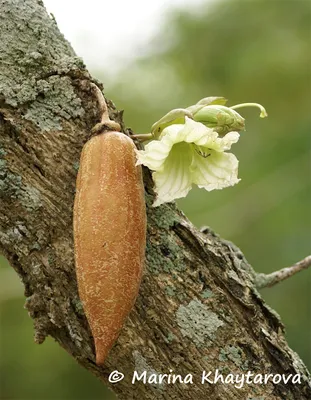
109, 235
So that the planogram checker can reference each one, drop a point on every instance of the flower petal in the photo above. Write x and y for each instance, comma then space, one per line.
228, 140
171, 134
215, 171
195, 132
154, 155
174, 181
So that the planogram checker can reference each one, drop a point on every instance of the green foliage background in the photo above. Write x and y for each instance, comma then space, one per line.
246, 51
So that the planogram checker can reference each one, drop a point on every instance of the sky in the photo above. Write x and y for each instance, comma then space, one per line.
112, 32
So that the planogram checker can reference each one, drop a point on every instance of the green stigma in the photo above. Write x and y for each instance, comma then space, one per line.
263, 112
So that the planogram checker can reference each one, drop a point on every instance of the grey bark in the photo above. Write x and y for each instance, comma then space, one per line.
197, 309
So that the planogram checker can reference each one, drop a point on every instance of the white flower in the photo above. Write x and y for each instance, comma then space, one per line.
187, 154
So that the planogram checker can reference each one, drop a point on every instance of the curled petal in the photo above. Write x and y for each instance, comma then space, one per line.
195, 132
215, 171
154, 155
227, 141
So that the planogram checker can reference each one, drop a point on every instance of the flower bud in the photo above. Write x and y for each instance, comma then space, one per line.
220, 118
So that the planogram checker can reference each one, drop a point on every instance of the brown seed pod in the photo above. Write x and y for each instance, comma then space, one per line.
109, 235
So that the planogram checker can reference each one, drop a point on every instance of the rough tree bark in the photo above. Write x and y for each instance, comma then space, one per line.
198, 308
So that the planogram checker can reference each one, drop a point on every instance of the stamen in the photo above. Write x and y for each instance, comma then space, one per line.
202, 153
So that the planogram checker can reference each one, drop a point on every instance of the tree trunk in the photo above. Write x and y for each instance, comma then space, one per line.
197, 310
